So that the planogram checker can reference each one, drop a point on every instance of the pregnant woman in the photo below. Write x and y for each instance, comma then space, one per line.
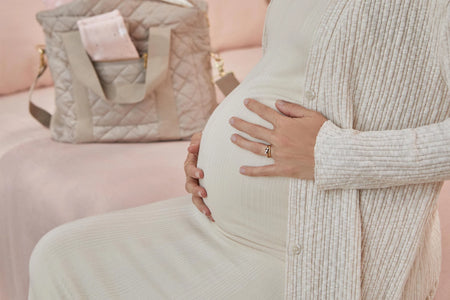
330, 194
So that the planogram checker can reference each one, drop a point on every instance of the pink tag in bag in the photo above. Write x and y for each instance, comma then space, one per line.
105, 37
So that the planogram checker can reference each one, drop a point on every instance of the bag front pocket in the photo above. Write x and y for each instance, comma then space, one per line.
120, 71
113, 120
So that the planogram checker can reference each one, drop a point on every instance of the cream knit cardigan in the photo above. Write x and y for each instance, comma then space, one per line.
368, 226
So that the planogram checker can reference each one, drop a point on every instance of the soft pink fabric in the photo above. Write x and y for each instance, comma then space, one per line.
236, 23
45, 184
20, 33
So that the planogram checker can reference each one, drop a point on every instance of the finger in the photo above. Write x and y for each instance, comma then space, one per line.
191, 160
196, 137
190, 184
255, 147
190, 167
194, 148
269, 170
195, 140
197, 189
292, 110
194, 172
254, 130
264, 111
201, 206
192, 187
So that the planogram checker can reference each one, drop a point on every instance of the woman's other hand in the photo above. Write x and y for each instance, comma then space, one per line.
193, 174
292, 139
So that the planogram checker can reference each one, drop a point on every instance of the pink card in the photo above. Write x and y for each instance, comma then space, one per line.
105, 37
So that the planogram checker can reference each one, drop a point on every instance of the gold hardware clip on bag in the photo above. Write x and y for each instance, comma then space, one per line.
166, 94
227, 81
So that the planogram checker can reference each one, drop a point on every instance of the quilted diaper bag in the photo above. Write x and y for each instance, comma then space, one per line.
166, 94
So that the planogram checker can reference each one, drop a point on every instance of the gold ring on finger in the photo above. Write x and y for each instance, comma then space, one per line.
268, 151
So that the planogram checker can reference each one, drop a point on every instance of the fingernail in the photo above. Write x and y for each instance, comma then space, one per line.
281, 102
200, 193
231, 121
233, 138
204, 211
197, 174
246, 101
242, 170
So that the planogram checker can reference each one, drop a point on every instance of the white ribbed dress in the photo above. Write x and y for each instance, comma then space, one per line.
169, 250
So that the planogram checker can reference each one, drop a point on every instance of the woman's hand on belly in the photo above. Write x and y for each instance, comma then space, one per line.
193, 174
292, 139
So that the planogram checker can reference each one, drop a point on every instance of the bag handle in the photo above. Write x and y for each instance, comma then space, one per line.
157, 67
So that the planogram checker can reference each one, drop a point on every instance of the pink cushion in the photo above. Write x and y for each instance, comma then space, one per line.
20, 33
57, 183
236, 23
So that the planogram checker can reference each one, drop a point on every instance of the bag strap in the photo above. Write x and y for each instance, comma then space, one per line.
40, 114
227, 81
157, 67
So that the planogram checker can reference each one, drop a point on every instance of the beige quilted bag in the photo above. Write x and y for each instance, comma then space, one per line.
167, 94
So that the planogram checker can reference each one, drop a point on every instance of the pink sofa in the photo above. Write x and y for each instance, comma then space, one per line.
44, 184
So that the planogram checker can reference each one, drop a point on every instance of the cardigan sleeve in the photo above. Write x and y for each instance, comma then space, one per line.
352, 159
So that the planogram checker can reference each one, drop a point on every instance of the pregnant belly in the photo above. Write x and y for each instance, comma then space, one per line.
251, 209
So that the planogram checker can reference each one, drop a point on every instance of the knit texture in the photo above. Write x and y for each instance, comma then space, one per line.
367, 225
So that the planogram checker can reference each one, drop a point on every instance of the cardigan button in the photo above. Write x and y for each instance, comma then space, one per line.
296, 250
310, 95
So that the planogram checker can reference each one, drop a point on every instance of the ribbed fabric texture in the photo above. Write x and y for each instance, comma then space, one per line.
352, 159
163, 250
367, 225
